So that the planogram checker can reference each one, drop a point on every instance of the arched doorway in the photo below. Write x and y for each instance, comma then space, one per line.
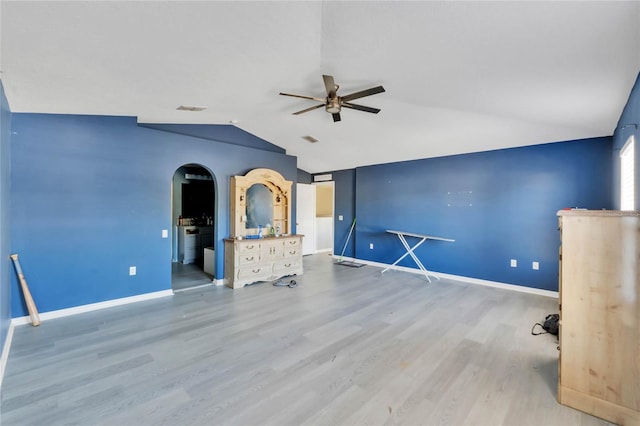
193, 204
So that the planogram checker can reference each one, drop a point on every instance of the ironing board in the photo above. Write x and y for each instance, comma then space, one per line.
410, 250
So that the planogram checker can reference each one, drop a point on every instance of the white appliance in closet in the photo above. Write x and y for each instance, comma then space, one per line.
187, 243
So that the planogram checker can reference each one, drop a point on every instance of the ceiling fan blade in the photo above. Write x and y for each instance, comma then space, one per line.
363, 93
329, 85
303, 97
336, 116
308, 109
361, 107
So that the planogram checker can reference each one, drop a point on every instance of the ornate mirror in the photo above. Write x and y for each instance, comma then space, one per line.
258, 198
259, 206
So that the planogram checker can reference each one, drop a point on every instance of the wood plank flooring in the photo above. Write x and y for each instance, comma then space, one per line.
348, 346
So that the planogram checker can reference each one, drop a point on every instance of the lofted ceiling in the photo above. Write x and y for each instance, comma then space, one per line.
459, 76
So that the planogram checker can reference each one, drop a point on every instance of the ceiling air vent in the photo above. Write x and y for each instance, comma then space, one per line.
310, 138
191, 108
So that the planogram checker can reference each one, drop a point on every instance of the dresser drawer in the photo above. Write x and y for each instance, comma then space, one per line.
252, 273
292, 243
248, 247
292, 252
287, 267
248, 259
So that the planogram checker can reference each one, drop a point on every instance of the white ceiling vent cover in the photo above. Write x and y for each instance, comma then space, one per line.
191, 108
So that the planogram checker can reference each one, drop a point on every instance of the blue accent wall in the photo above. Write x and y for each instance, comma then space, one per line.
91, 194
304, 177
345, 197
497, 205
223, 133
629, 124
5, 170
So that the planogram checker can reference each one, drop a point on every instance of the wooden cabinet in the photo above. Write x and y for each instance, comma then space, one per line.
599, 368
264, 259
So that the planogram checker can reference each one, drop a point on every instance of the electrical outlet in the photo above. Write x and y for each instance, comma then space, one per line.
132, 270
535, 265
514, 263
370, 246
340, 217
165, 233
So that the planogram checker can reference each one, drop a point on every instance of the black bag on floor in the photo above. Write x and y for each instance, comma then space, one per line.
550, 325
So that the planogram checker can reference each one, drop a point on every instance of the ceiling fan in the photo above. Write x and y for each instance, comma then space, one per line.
334, 103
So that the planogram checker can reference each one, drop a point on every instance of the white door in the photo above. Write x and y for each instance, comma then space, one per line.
306, 216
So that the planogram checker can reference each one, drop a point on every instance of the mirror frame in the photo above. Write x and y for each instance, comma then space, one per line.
281, 190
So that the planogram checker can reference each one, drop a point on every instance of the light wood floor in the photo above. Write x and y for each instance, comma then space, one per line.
347, 347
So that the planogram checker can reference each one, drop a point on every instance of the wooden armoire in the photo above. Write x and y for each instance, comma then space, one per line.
599, 368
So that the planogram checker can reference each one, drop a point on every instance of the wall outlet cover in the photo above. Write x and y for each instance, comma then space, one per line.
514, 263
132, 270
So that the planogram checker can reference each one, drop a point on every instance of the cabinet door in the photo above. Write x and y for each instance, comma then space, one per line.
271, 250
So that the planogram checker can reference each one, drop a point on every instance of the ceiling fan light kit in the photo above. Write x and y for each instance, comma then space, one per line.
333, 106
333, 103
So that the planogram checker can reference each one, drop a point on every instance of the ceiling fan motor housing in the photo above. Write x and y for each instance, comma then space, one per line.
333, 105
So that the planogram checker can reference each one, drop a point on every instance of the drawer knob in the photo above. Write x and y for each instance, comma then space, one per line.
255, 271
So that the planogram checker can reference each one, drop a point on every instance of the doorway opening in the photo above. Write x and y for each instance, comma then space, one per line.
314, 216
324, 216
193, 204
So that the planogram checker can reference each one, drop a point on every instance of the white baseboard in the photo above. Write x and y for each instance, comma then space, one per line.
327, 250
5, 351
469, 280
93, 307
195, 287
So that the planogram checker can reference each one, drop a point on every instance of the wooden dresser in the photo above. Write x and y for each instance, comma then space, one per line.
599, 368
264, 259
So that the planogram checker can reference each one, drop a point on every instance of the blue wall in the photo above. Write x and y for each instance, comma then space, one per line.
5, 170
497, 205
91, 194
304, 177
629, 124
345, 198
222, 133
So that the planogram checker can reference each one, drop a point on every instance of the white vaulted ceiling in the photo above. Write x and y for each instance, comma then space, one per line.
459, 76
